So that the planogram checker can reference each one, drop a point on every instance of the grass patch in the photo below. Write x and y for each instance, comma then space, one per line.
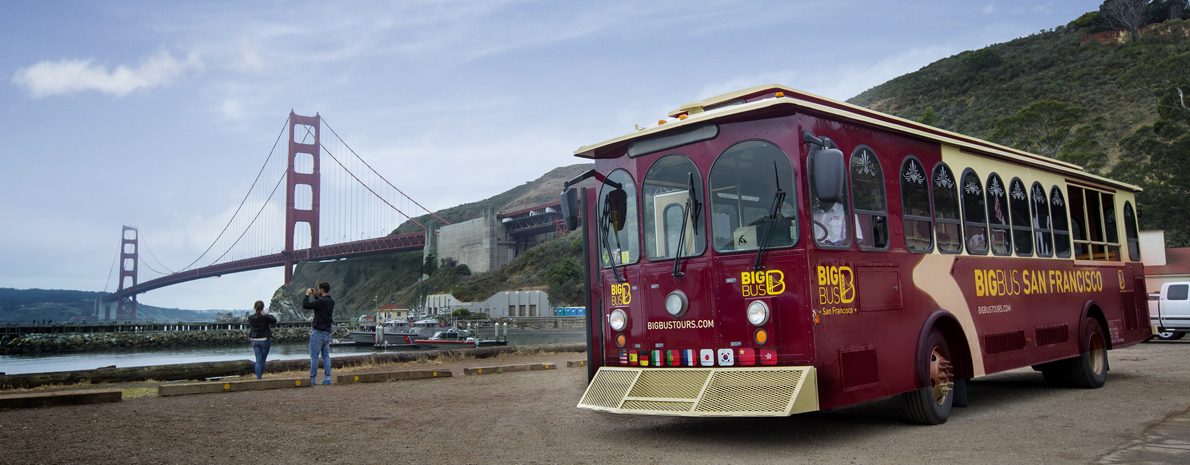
132, 393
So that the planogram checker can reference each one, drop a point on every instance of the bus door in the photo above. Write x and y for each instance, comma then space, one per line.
780, 289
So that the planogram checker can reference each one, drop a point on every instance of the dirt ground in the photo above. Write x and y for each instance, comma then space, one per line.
530, 417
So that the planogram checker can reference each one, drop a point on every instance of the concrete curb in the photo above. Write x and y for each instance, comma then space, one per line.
46, 399
228, 386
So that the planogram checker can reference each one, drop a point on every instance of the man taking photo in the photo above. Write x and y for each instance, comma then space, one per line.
320, 337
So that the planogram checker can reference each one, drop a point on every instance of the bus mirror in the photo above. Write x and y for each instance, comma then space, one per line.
570, 208
829, 172
616, 207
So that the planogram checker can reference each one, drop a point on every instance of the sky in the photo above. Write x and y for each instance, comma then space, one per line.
160, 114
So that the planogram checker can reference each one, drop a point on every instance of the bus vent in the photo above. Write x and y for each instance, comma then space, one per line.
1054, 335
1004, 342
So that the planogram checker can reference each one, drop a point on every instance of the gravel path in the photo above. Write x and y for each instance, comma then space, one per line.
530, 417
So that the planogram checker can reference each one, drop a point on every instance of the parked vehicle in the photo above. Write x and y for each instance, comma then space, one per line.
1169, 310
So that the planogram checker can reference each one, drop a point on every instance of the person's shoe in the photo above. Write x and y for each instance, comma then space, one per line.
312, 383
326, 382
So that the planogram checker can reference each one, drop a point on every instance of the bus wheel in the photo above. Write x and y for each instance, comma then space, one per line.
1170, 335
930, 405
1089, 369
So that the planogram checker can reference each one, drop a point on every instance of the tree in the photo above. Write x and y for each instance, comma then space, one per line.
1045, 127
929, 117
1127, 14
429, 264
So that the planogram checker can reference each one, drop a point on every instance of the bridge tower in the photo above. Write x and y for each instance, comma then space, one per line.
294, 215
129, 260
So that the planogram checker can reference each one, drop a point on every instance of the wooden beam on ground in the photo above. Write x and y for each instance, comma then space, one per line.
230, 386
509, 369
382, 377
46, 399
578, 363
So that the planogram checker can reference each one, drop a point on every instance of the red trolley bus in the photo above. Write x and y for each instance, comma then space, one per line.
768, 252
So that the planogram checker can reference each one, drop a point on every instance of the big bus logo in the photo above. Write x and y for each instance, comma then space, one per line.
621, 294
836, 285
758, 283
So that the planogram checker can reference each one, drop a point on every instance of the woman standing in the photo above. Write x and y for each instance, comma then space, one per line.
261, 333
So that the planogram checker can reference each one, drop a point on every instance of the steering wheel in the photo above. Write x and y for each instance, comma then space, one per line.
818, 225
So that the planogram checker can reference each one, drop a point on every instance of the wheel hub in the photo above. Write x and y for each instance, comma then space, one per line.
940, 376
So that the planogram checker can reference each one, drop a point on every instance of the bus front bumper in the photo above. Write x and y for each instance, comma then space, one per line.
703, 392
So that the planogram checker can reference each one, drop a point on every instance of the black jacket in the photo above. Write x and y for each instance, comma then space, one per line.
324, 309
261, 326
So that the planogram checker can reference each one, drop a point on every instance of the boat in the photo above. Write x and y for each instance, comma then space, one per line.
455, 338
402, 333
363, 338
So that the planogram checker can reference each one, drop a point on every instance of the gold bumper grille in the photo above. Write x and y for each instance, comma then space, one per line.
765, 391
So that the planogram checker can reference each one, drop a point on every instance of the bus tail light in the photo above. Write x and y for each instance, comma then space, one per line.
758, 313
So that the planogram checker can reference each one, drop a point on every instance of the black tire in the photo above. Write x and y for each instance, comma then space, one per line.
931, 405
1170, 335
1089, 369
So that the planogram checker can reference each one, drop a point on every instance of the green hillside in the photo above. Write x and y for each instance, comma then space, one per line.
1114, 108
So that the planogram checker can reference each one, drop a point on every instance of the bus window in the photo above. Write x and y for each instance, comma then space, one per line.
743, 185
867, 191
829, 225
946, 210
665, 193
1001, 240
1061, 229
1041, 222
1130, 232
975, 225
1110, 228
620, 228
915, 207
1022, 233
1078, 216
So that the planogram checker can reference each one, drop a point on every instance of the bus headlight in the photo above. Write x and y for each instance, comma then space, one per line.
676, 303
618, 320
758, 312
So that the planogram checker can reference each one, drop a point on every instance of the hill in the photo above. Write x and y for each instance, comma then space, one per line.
23, 305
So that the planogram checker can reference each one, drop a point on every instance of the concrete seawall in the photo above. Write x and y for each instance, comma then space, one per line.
69, 342
205, 370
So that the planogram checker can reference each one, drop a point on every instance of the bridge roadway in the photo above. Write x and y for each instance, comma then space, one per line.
391, 243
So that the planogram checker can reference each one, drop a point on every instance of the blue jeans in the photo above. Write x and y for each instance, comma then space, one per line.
262, 352
320, 343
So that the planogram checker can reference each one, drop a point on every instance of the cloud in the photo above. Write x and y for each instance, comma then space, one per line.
987, 10
48, 78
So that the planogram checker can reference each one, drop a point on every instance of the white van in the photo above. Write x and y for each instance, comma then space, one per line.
1169, 310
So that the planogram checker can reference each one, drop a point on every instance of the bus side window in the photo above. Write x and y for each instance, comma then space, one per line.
946, 210
1110, 227
915, 206
867, 191
975, 224
1061, 227
1041, 222
1001, 239
1130, 232
1022, 232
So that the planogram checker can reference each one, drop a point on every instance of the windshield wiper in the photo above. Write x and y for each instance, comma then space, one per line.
606, 226
778, 197
689, 212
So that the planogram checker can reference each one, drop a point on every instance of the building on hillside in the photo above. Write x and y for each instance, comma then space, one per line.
443, 304
513, 304
391, 311
1162, 265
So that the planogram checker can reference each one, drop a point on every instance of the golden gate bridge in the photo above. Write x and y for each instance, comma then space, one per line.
332, 210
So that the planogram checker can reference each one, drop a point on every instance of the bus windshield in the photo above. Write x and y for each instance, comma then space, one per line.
666, 189
742, 185
621, 227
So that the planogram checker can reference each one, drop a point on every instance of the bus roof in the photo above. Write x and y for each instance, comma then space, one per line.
773, 97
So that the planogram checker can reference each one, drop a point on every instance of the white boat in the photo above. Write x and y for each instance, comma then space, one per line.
459, 338
399, 332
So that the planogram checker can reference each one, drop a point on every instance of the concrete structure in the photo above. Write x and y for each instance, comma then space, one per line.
443, 304
511, 304
1162, 265
495, 239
